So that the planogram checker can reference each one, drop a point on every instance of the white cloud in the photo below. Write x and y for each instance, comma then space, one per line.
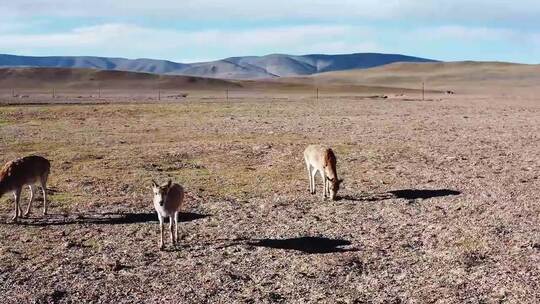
457, 42
453, 42
463, 34
79, 36
340, 47
132, 40
8, 27
466, 33
443, 11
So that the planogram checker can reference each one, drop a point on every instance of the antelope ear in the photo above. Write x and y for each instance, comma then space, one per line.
154, 184
169, 183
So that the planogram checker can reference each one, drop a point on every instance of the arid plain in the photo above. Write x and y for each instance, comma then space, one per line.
440, 203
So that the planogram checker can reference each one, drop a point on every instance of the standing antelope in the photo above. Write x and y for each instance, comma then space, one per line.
28, 170
168, 200
323, 160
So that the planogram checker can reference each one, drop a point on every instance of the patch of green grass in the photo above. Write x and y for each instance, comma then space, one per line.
94, 244
472, 243
197, 177
191, 174
28, 146
6, 199
63, 198
4, 122
236, 181
344, 149
239, 183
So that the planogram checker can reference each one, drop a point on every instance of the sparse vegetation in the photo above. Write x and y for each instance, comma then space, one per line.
251, 231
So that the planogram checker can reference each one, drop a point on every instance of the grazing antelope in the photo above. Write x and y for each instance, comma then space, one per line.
168, 200
323, 160
28, 170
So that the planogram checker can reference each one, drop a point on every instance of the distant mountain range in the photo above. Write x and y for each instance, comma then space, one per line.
248, 67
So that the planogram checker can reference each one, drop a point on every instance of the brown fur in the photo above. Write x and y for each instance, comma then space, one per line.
322, 160
23, 171
330, 163
168, 199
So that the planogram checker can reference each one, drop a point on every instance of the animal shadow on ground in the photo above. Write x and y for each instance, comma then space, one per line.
106, 219
366, 197
306, 244
412, 194
409, 194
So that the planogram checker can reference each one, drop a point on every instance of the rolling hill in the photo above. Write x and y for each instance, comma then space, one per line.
91, 78
83, 80
461, 77
249, 67
464, 76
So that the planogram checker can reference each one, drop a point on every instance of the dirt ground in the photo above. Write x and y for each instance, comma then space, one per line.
440, 203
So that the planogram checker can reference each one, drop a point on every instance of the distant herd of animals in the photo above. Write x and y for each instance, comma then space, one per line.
167, 198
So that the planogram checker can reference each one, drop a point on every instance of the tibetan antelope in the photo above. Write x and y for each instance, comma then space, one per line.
168, 199
28, 170
323, 160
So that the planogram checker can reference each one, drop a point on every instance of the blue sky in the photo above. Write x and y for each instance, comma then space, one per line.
199, 30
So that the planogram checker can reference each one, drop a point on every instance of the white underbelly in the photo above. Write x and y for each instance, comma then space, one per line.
163, 212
